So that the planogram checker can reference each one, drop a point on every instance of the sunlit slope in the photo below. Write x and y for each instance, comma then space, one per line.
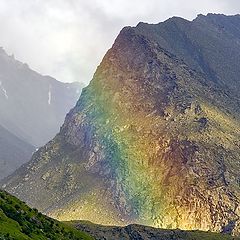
18, 221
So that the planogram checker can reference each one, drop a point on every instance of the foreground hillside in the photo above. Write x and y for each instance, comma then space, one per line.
19, 222
154, 138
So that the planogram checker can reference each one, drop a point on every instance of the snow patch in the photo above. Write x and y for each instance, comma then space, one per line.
4, 90
49, 95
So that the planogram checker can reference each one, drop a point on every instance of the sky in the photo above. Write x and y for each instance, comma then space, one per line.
67, 39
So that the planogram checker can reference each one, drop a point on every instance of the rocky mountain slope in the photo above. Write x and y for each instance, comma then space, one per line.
32, 106
18, 221
13, 152
154, 138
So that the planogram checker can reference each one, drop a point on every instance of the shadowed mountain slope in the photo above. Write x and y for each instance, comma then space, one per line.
13, 152
208, 44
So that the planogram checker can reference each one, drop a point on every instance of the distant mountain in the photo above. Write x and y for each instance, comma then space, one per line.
18, 221
13, 152
154, 138
33, 106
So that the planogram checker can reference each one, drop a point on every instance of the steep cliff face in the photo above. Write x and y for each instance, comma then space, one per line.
152, 140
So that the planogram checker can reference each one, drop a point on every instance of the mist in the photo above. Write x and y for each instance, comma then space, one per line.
67, 39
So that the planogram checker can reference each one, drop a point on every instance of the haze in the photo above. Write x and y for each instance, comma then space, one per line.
67, 39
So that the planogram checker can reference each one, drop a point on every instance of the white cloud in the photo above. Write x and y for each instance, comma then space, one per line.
68, 38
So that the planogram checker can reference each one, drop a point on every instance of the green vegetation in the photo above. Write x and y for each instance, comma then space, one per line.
20, 222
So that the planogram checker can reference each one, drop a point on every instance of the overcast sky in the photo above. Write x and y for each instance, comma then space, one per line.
68, 38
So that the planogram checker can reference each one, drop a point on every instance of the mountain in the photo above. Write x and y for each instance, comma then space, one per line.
13, 152
154, 138
32, 106
18, 221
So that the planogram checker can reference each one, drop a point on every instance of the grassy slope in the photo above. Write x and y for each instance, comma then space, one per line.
18, 221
